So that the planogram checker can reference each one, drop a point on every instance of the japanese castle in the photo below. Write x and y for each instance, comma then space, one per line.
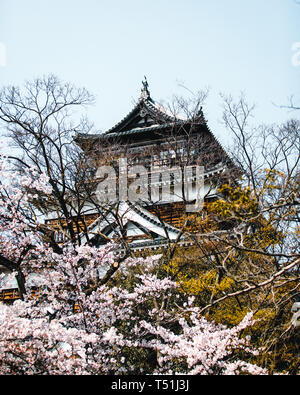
160, 141
152, 141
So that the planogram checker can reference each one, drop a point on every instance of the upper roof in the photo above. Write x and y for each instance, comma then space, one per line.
150, 122
146, 116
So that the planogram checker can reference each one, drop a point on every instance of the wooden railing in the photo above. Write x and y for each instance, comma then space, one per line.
9, 295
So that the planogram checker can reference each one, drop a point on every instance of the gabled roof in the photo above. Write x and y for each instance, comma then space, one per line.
146, 116
146, 113
129, 212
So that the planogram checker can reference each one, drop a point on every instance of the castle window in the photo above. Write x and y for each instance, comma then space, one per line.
59, 236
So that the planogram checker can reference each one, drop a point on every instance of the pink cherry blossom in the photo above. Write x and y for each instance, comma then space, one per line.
117, 329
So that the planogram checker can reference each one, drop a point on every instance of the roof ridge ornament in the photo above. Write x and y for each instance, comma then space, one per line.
145, 94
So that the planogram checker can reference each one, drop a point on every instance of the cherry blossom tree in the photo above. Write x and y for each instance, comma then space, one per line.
136, 324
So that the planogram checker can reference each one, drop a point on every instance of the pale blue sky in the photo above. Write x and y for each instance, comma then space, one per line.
108, 46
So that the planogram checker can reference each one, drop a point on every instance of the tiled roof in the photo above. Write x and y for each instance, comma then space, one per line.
134, 212
157, 118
